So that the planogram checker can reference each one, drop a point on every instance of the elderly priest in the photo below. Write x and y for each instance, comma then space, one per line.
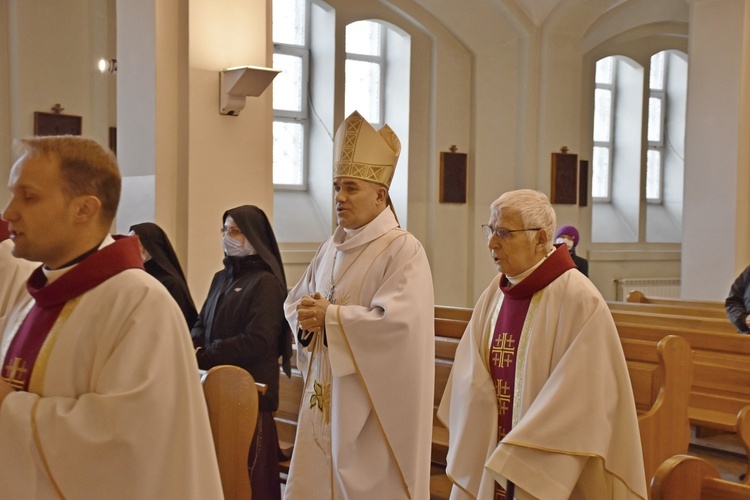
539, 402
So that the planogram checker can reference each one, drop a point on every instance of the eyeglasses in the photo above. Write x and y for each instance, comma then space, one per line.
231, 231
503, 233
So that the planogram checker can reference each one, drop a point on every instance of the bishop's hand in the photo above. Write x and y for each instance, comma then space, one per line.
311, 312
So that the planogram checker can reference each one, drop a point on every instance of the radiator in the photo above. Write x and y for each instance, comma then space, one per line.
668, 288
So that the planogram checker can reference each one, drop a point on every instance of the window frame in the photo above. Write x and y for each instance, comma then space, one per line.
302, 116
659, 145
609, 145
380, 61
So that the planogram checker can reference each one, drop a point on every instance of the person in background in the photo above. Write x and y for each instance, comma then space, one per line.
737, 304
568, 235
160, 261
242, 323
364, 313
99, 394
539, 402
13, 271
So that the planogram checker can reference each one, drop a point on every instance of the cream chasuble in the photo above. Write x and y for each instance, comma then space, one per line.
114, 407
380, 336
575, 429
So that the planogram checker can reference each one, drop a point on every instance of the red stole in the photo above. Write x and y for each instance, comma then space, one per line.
50, 301
507, 336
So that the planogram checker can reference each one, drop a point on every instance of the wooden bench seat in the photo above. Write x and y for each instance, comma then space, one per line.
684, 477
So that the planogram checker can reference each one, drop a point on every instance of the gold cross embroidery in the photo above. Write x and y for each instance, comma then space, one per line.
501, 432
16, 373
502, 391
502, 351
321, 398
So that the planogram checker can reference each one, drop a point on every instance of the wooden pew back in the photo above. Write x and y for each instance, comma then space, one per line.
677, 322
232, 400
671, 309
660, 375
638, 296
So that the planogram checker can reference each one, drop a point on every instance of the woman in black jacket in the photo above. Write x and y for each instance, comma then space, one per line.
242, 323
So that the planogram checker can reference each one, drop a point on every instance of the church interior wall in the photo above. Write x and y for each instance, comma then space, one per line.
492, 80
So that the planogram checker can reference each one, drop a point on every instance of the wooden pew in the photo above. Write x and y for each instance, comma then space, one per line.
232, 400
673, 309
640, 297
720, 389
660, 375
674, 321
684, 477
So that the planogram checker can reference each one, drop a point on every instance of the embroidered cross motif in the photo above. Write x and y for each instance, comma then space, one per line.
321, 398
502, 392
16, 373
503, 350
501, 432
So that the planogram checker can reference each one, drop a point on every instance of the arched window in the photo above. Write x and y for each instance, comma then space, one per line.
376, 58
623, 155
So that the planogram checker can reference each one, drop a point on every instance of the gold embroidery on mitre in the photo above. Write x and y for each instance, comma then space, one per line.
364, 153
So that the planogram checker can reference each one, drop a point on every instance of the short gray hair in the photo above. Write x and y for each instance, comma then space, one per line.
533, 207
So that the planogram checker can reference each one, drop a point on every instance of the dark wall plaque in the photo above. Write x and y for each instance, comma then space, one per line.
564, 178
56, 124
452, 177
583, 183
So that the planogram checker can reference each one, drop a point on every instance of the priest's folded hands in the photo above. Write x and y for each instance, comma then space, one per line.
311, 312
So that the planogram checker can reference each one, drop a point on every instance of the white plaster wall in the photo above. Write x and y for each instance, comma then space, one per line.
716, 175
48, 55
230, 157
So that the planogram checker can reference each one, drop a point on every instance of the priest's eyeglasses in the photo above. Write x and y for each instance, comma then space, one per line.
231, 231
503, 233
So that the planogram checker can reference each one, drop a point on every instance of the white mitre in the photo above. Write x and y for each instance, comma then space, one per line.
361, 152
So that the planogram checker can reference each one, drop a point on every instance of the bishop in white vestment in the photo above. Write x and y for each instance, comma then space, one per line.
364, 428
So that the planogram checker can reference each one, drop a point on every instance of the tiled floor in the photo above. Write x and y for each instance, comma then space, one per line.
723, 450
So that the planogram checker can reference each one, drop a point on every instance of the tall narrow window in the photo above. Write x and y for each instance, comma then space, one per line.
604, 101
365, 70
290, 123
656, 113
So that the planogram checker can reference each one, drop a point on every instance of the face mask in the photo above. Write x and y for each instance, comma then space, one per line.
234, 248
567, 242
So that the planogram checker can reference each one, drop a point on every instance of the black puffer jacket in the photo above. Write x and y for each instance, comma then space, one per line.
242, 321
738, 302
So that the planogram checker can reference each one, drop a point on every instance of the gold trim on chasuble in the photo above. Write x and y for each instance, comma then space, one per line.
36, 384
359, 373
523, 345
